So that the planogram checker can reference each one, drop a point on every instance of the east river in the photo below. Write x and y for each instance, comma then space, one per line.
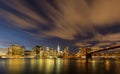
59, 66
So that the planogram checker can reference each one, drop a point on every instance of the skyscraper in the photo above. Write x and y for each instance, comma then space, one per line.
58, 48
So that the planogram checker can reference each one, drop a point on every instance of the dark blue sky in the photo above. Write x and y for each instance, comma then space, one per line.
74, 23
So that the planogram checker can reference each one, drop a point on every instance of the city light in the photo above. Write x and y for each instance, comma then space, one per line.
59, 36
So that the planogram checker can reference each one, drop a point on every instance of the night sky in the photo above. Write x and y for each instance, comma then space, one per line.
73, 23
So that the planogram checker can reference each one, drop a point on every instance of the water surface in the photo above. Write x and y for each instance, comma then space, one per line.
59, 66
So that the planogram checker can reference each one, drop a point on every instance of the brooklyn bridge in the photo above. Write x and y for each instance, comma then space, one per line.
88, 54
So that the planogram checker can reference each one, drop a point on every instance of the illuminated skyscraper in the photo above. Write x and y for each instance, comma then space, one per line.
58, 48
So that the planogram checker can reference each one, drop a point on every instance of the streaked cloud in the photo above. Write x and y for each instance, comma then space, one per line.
105, 12
109, 37
103, 40
26, 18
66, 18
82, 44
23, 23
77, 17
103, 44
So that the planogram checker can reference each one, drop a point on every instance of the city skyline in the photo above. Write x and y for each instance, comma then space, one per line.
77, 23
59, 36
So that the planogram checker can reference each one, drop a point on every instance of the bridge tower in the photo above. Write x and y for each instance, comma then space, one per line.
88, 55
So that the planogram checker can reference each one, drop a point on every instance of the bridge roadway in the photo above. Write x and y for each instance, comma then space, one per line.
89, 54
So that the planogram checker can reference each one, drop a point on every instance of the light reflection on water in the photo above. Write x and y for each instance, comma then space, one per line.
59, 66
